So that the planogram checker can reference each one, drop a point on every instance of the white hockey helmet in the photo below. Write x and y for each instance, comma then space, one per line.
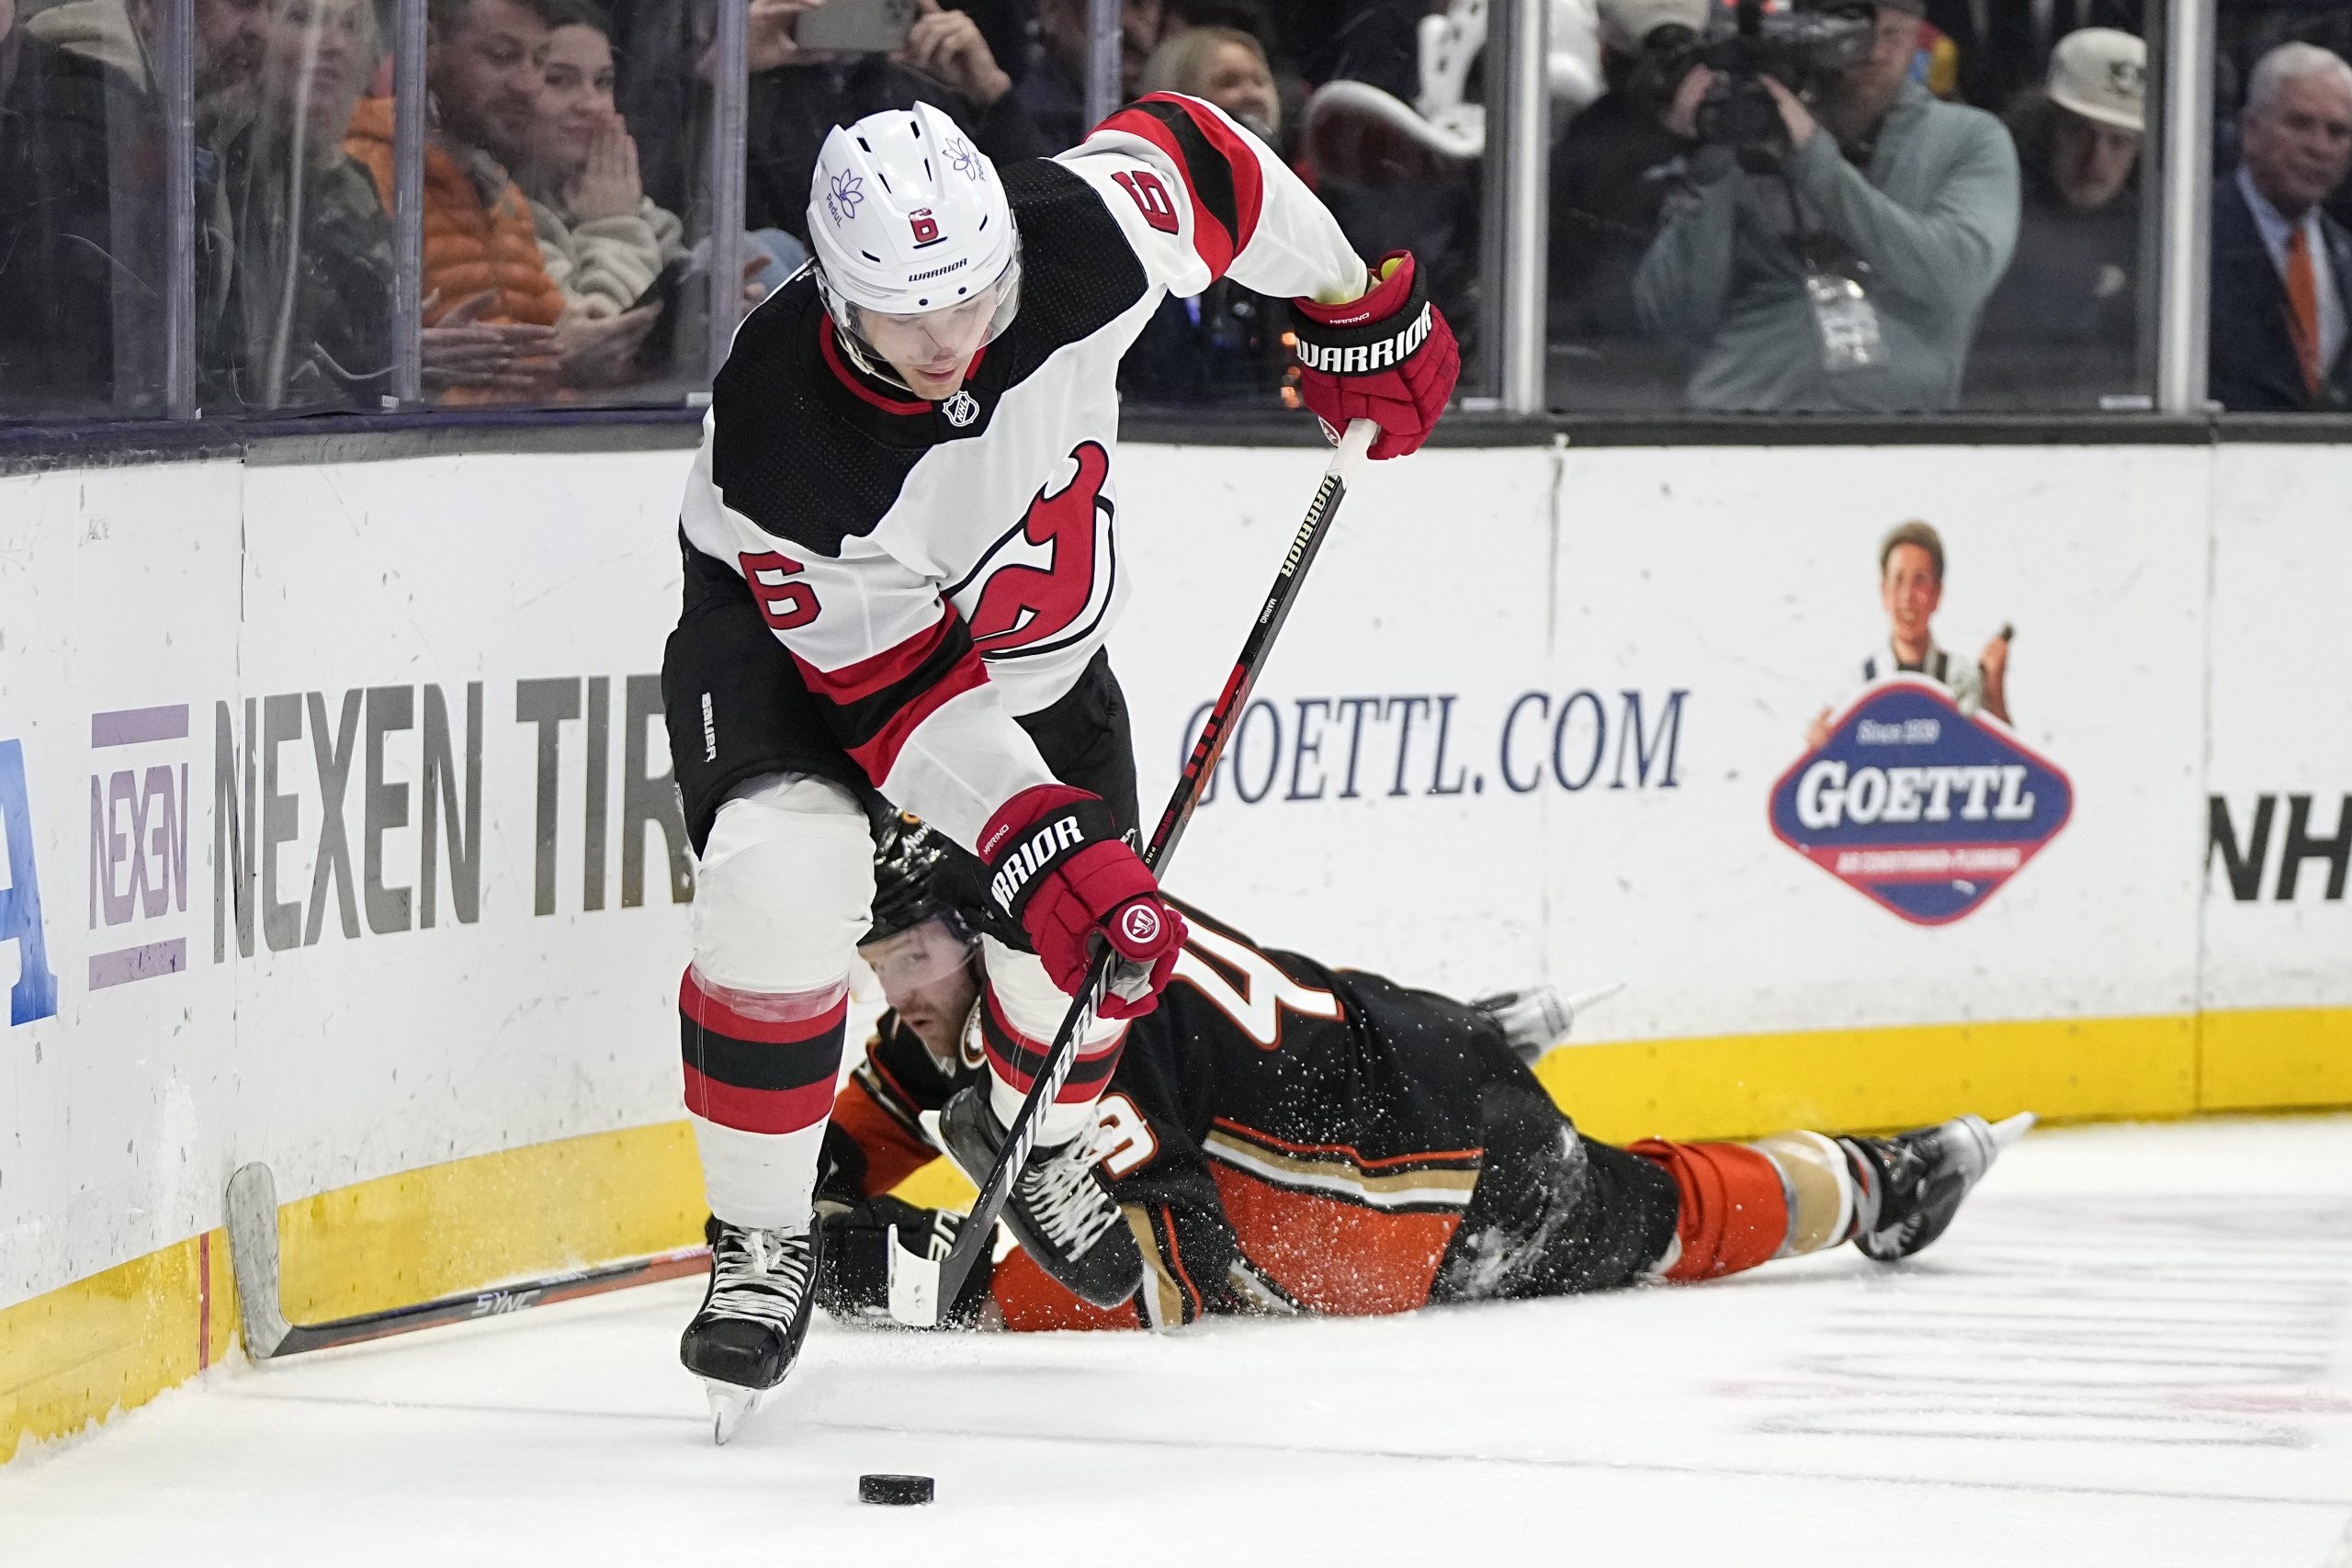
907, 217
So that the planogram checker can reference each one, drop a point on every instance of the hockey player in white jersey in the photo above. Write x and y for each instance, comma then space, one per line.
902, 563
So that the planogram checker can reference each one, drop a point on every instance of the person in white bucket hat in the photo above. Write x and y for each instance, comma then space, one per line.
2062, 329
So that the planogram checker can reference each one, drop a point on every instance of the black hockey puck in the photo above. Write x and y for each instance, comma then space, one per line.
894, 1490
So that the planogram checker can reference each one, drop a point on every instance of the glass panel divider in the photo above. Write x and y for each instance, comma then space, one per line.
178, 92
409, 102
2187, 163
731, 96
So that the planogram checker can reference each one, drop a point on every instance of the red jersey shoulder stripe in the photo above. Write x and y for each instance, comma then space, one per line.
1219, 168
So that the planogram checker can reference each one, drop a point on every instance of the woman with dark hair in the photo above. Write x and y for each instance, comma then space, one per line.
603, 239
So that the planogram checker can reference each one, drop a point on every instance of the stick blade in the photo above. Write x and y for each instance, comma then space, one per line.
914, 1284
252, 1258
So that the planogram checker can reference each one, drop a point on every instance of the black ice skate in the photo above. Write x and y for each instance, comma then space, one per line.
753, 1317
1912, 1183
1058, 1207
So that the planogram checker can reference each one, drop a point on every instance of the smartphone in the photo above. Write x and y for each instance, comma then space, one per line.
856, 27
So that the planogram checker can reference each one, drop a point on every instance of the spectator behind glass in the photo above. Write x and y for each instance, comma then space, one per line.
304, 317
1908, 210
1612, 168
1247, 16
603, 239
81, 210
1054, 86
799, 94
2282, 268
483, 267
2004, 45
2064, 325
1226, 343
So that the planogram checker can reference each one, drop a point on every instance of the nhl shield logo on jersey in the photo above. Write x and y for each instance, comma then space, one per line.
961, 409
1047, 582
1919, 806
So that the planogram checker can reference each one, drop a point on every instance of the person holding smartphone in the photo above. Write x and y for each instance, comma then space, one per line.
798, 94
902, 563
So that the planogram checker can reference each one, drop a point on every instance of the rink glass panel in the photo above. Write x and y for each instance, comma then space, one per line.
83, 248
2063, 323
190, 231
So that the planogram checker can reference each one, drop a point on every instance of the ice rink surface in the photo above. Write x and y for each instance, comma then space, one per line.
2134, 1346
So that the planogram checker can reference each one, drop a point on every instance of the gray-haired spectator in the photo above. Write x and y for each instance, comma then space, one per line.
2282, 268
1850, 276
2064, 325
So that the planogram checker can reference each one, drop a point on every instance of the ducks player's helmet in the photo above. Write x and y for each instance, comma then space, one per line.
907, 218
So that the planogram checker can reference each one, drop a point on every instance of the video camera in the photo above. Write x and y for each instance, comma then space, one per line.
1800, 47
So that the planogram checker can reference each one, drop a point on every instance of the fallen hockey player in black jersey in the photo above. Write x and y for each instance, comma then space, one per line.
1281, 1136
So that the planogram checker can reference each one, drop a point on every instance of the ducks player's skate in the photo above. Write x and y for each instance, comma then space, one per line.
1059, 1208
1910, 1185
753, 1317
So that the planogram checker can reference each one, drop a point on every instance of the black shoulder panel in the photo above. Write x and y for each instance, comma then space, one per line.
783, 451
1079, 274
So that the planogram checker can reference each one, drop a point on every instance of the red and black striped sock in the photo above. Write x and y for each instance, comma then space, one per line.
1016, 1059
760, 1070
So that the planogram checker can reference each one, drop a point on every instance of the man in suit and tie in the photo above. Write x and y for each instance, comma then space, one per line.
2282, 268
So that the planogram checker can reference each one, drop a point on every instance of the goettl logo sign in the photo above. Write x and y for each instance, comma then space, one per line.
1920, 806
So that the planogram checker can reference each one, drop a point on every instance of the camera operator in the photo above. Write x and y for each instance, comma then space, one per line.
1832, 253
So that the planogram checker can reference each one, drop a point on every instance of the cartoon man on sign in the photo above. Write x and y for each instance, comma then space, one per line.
1911, 585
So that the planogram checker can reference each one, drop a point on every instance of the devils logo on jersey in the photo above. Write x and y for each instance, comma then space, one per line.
1046, 581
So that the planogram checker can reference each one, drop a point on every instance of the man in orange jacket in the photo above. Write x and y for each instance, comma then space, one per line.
483, 266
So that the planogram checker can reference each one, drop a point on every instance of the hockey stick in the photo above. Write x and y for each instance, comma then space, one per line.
253, 1258
919, 1283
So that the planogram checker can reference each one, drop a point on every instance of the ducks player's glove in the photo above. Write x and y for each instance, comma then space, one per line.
1388, 357
1058, 865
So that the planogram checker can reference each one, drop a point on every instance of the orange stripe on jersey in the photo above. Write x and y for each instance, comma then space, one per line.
1032, 1302
1331, 1256
892, 1154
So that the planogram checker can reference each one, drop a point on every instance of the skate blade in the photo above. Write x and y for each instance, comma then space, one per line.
730, 1406
2010, 1129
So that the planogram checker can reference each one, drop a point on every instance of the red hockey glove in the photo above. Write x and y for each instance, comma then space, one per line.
1388, 357
1058, 865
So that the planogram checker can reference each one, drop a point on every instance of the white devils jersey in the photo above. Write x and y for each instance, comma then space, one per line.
935, 569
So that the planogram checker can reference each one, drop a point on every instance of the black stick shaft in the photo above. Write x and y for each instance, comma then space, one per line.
979, 1227
569, 1286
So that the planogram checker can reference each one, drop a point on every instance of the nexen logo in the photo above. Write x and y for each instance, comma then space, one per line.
1363, 358
1919, 806
1033, 857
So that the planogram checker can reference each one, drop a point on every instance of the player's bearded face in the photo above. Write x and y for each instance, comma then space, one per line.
930, 976
932, 351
